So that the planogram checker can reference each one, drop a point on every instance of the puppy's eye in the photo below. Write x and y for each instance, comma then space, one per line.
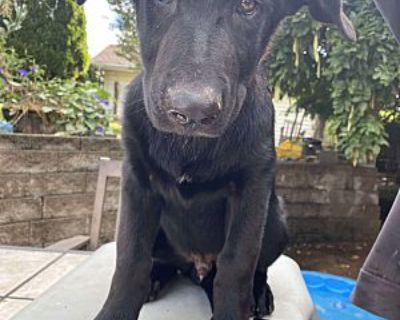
248, 7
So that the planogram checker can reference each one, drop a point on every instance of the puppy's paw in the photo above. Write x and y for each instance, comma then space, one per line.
154, 291
161, 275
263, 304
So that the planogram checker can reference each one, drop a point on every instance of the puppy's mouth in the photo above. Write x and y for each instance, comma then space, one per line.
161, 123
165, 122
194, 131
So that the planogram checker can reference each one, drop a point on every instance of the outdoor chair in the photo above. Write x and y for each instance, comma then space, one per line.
107, 169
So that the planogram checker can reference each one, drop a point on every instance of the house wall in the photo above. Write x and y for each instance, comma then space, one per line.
285, 116
123, 78
47, 187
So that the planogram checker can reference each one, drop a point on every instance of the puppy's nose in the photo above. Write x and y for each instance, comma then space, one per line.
201, 107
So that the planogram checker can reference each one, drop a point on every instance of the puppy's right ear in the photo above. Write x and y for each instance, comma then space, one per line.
331, 11
327, 11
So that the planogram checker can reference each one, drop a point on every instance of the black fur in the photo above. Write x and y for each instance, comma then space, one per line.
200, 190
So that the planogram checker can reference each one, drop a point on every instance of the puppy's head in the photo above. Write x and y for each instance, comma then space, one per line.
199, 56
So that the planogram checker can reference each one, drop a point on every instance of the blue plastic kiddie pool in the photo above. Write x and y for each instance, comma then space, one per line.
331, 295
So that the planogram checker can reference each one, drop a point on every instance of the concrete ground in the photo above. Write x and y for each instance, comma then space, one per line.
26, 273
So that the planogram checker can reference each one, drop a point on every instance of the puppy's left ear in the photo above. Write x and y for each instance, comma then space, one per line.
331, 11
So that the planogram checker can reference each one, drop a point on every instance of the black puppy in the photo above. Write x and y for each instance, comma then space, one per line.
198, 174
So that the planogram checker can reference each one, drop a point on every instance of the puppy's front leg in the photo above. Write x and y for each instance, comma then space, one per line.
139, 222
238, 260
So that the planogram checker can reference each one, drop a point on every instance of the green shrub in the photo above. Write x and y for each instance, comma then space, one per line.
54, 34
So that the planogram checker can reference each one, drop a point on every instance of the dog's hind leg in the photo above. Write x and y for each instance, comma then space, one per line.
161, 274
263, 298
166, 265
274, 243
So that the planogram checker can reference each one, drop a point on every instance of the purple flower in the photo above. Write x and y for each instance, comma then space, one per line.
104, 102
4, 79
23, 72
1, 70
34, 69
99, 130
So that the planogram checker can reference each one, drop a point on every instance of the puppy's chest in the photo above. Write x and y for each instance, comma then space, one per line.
191, 160
195, 224
190, 189
182, 169
195, 187
186, 182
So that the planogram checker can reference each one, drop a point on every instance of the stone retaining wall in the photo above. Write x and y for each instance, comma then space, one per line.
330, 203
47, 187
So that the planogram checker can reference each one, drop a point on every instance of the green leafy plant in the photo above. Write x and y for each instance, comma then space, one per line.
64, 106
354, 85
78, 108
11, 17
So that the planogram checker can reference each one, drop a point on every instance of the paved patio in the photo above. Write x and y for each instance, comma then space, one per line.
26, 273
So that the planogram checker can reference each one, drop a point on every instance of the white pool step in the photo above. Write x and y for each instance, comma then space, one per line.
81, 293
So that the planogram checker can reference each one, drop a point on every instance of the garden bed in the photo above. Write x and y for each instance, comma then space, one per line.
343, 259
